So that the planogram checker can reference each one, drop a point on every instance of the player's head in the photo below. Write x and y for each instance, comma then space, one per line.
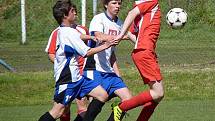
62, 9
112, 6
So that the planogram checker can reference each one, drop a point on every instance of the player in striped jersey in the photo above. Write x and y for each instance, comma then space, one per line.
145, 31
51, 48
103, 65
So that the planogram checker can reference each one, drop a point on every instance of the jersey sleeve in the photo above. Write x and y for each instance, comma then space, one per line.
146, 6
51, 46
77, 44
82, 29
96, 24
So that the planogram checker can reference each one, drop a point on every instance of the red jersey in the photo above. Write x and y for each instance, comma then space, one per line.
146, 26
51, 46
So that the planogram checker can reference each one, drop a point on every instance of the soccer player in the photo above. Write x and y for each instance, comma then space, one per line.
103, 65
145, 29
51, 48
69, 82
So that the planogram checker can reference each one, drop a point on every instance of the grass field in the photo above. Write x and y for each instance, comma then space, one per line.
198, 110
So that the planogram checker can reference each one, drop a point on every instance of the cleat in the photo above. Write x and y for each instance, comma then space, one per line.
118, 113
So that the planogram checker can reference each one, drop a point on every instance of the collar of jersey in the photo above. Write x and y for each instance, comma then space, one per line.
72, 26
115, 20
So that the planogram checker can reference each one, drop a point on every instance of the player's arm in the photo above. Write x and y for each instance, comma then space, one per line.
51, 46
82, 49
128, 21
103, 37
125, 37
131, 37
104, 46
114, 64
85, 37
51, 57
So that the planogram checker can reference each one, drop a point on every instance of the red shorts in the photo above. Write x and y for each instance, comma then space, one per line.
147, 64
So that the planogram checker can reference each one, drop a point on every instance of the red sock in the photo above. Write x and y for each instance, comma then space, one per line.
147, 111
136, 101
65, 117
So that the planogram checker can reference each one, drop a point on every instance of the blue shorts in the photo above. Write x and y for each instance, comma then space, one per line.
109, 81
66, 93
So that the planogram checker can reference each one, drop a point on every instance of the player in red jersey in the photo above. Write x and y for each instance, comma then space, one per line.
51, 50
144, 31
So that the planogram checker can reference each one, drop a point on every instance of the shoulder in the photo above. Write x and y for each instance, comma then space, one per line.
82, 29
119, 22
66, 30
99, 16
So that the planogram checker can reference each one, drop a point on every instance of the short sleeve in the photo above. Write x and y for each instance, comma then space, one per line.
96, 24
77, 44
51, 46
146, 6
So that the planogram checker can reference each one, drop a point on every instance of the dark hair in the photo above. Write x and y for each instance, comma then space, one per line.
61, 9
105, 2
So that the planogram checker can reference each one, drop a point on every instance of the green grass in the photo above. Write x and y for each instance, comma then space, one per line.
198, 110
32, 88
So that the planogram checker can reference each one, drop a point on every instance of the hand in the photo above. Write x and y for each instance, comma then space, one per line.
111, 43
118, 38
99, 40
93, 38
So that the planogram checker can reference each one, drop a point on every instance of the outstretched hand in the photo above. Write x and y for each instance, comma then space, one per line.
118, 38
111, 43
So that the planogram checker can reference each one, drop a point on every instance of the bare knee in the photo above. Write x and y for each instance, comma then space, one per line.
103, 96
124, 94
99, 93
57, 111
157, 90
157, 95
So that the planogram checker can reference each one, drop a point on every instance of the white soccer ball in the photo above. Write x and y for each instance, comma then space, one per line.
176, 17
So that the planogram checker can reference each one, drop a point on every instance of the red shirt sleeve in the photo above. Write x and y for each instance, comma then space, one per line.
52, 46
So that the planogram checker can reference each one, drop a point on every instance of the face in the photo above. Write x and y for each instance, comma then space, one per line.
113, 7
72, 15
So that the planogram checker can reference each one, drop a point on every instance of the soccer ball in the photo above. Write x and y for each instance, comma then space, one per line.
176, 18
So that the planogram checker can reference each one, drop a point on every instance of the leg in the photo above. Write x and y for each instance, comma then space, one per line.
81, 104
148, 67
147, 111
66, 114
82, 108
56, 111
96, 105
123, 94
157, 92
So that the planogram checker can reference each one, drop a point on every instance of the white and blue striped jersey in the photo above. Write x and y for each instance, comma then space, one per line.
69, 48
104, 24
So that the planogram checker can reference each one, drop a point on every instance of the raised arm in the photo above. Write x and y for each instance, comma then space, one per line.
129, 19
103, 37
131, 37
104, 46
85, 37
